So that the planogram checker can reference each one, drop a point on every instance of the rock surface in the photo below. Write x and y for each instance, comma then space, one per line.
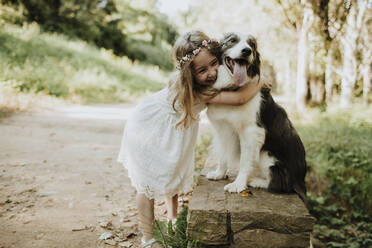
261, 220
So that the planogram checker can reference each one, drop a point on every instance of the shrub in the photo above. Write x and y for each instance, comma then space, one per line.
58, 66
339, 153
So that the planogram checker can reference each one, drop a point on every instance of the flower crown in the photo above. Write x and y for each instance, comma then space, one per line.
191, 55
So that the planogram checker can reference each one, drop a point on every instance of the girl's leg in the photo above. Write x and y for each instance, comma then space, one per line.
172, 207
145, 208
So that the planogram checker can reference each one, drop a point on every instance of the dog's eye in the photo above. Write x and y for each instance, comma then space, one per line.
232, 40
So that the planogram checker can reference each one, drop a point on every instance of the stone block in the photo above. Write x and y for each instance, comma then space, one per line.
260, 238
207, 223
220, 218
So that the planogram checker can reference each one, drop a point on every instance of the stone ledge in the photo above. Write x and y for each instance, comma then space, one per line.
268, 239
218, 218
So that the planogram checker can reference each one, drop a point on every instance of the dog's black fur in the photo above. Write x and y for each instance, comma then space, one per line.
283, 142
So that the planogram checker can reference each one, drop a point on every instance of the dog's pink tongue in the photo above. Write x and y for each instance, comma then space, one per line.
240, 74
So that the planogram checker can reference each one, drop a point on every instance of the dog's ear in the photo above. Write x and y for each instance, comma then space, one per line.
252, 42
254, 69
257, 63
227, 35
225, 38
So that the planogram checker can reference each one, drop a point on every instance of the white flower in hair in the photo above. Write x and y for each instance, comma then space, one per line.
190, 56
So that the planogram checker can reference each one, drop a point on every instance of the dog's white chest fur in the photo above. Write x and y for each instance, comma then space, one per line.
238, 116
238, 139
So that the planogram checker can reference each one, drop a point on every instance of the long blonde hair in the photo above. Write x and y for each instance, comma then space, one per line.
185, 89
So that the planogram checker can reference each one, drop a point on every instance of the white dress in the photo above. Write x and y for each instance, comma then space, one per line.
158, 156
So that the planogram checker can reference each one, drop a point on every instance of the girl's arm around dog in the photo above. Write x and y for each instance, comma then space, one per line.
241, 96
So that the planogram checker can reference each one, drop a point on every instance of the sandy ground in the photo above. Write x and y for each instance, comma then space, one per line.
60, 184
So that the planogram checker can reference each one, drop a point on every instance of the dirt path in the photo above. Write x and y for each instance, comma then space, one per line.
60, 182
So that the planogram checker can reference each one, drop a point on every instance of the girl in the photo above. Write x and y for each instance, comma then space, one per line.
159, 137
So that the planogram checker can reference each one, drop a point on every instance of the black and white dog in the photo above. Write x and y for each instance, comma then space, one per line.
257, 136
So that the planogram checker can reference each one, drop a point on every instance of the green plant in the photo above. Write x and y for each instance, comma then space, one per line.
339, 182
174, 236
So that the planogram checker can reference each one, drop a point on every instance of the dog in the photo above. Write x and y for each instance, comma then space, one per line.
257, 136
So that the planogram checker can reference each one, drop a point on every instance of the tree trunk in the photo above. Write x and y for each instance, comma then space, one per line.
328, 76
349, 64
301, 80
366, 51
288, 79
366, 82
366, 65
316, 82
349, 42
317, 90
301, 83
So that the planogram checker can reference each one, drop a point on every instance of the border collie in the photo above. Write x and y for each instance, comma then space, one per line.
257, 136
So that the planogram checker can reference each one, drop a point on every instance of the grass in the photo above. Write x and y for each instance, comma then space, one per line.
51, 64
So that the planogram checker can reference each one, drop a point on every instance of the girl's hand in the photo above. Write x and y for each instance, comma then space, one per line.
266, 84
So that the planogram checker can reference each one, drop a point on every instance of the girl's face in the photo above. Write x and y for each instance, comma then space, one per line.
205, 67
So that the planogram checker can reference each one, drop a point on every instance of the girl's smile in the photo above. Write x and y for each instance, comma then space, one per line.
205, 68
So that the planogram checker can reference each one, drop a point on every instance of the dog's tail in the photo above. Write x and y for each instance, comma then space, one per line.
300, 189
281, 181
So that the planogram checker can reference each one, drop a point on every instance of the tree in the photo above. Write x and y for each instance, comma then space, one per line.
353, 25
300, 16
332, 16
302, 57
339, 22
366, 51
123, 26
89, 20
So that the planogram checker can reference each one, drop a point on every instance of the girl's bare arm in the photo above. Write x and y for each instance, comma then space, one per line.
241, 96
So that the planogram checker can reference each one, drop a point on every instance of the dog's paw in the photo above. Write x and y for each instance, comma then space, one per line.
235, 187
259, 183
216, 175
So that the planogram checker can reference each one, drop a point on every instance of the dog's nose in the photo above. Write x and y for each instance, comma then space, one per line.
246, 51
